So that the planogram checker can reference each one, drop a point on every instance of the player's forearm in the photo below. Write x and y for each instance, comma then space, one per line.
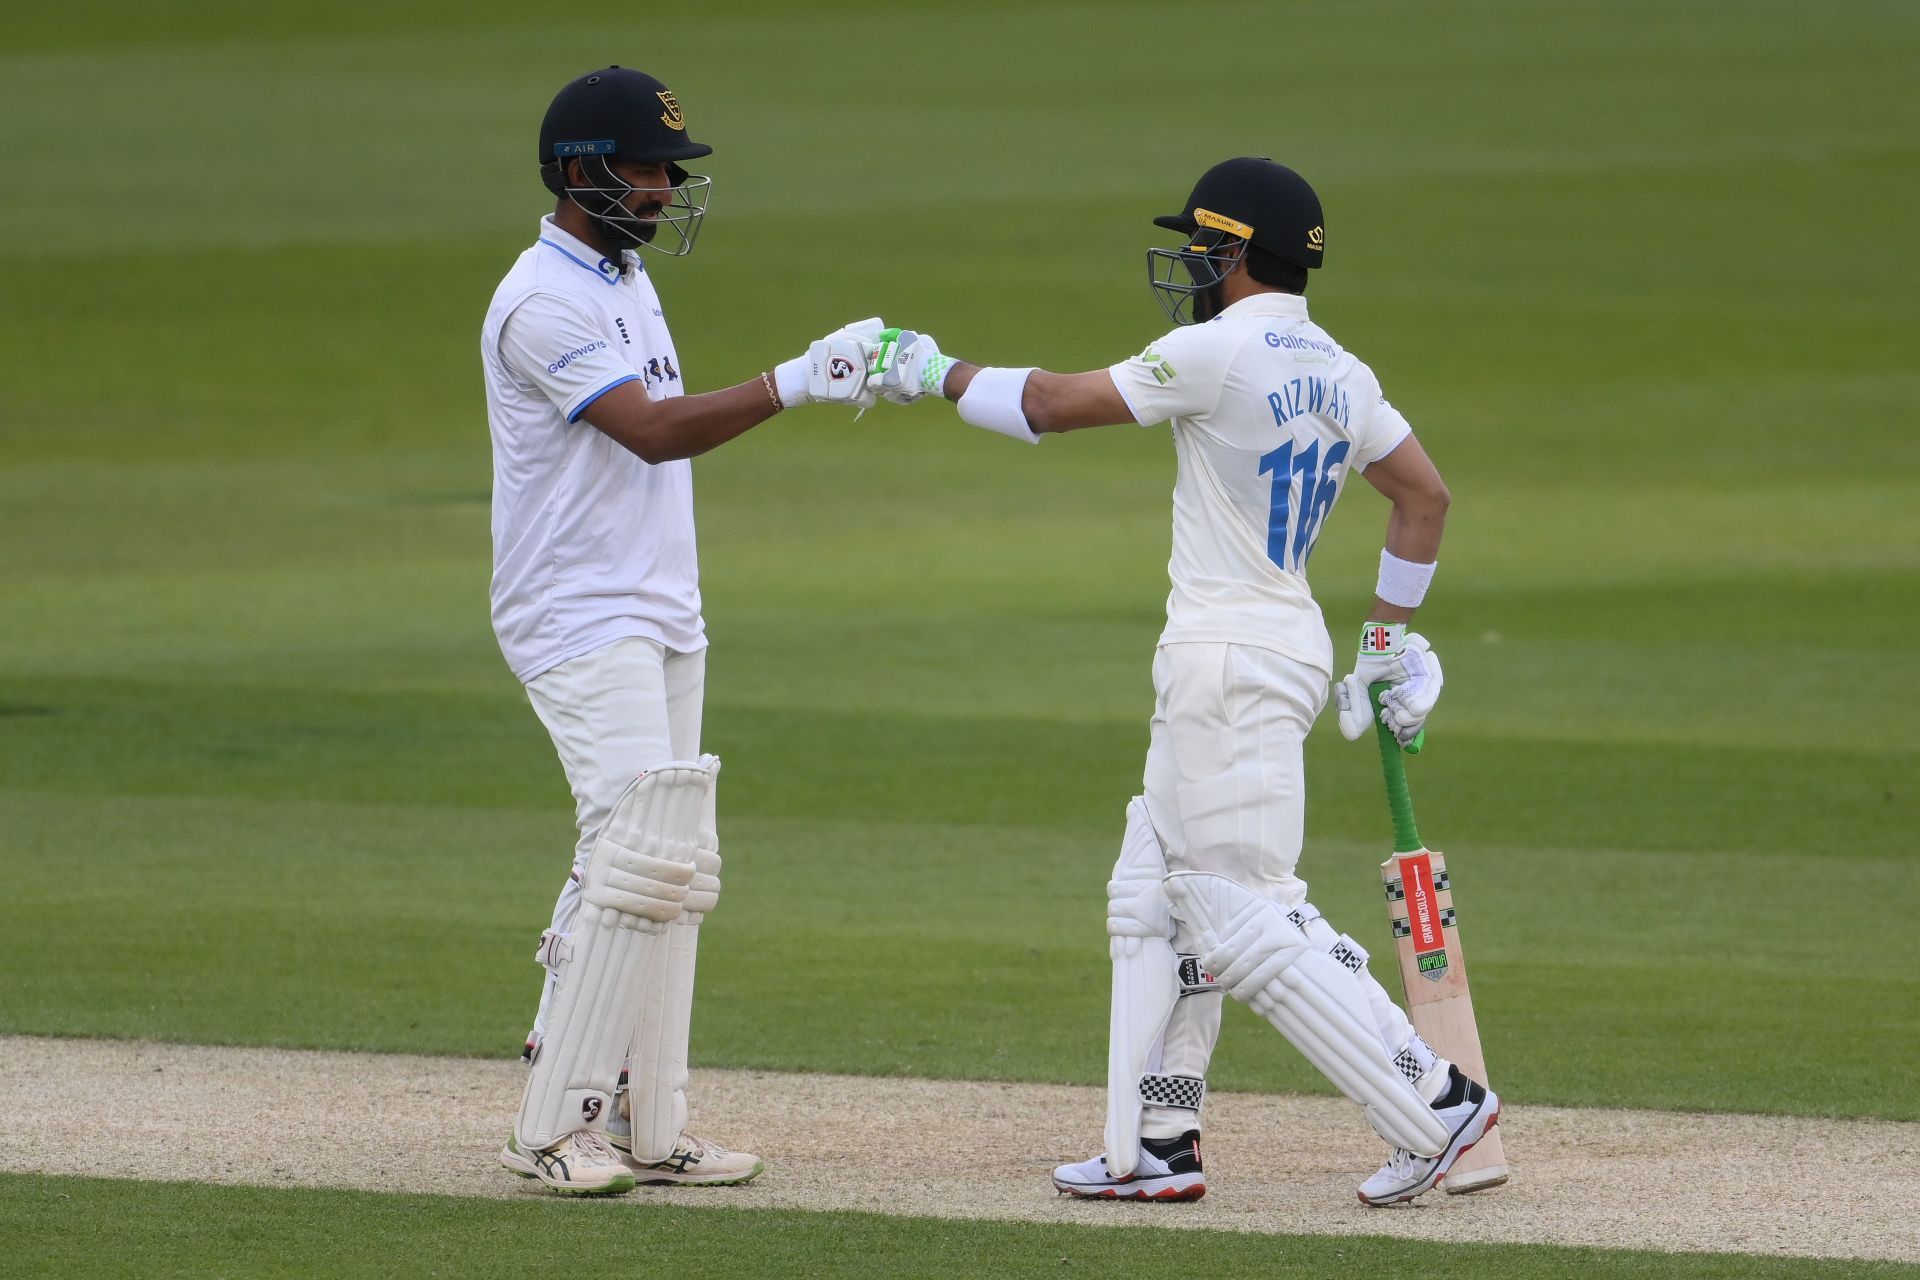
1414, 530
1053, 402
686, 426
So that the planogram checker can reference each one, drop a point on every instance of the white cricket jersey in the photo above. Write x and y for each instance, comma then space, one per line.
590, 544
1269, 415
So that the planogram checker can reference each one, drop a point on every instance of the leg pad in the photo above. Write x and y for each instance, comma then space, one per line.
1264, 960
633, 886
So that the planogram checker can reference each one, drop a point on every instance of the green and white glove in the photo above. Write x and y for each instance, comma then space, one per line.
1407, 663
907, 365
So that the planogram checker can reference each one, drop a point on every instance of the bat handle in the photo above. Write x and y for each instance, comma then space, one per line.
1406, 834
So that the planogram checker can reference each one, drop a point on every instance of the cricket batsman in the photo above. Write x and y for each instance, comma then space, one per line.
1269, 417
596, 603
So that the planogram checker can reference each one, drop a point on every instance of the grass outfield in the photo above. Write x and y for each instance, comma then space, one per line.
84, 1226
264, 779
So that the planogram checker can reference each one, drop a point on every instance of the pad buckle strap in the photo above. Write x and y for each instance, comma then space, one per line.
1182, 1093
553, 951
1194, 978
1408, 1063
1350, 954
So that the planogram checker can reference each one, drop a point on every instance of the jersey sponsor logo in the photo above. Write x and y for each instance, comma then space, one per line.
672, 117
660, 370
1288, 342
1158, 366
577, 353
1308, 395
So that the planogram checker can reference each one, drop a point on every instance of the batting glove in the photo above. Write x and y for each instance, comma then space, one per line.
1405, 662
907, 365
834, 370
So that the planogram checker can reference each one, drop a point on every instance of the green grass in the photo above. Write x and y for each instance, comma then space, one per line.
87, 1226
1639, 273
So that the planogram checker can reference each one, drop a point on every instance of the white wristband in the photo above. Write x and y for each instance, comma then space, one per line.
790, 381
992, 400
1403, 582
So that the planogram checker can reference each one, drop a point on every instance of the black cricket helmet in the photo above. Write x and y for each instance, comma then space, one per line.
621, 114
1238, 202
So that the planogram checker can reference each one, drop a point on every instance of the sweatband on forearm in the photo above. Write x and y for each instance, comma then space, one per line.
1403, 582
992, 400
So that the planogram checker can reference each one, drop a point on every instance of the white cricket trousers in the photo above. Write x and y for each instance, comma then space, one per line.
614, 713
1226, 790
1226, 782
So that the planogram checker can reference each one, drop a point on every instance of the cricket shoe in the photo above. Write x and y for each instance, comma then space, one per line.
695, 1162
1168, 1169
1468, 1109
580, 1164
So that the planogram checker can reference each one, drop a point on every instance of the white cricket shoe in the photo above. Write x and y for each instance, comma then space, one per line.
1169, 1169
1468, 1109
580, 1164
695, 1162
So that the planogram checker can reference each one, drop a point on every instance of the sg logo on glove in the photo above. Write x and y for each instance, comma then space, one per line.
839, 369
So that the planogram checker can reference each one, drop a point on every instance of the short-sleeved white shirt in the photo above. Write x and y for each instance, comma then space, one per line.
590, 544
1269, 416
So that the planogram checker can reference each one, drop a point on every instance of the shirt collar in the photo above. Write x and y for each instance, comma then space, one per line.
578, 251
1269, 303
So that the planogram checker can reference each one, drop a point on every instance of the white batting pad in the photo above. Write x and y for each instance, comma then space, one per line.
632, 888
1396, 1032
1146, 980
1266, 962
657, 1059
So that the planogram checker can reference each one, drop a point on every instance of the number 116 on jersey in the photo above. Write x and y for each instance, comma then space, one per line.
1293, 522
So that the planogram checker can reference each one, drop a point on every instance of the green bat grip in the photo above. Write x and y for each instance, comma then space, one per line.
1406, 835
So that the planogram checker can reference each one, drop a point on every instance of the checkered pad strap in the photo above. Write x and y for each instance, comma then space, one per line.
1183, 1092
1351, 955
1194, 979
1408, 1065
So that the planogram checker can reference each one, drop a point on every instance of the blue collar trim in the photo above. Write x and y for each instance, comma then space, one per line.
605, 271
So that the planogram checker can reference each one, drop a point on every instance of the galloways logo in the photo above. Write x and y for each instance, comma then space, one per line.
672, 119
575, 354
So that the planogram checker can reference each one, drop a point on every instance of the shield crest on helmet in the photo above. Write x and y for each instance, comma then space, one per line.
672, 117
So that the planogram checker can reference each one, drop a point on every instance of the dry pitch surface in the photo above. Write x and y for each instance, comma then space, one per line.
1641, 1179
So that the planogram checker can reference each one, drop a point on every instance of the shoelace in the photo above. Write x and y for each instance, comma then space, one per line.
594, 1145
1401, 1162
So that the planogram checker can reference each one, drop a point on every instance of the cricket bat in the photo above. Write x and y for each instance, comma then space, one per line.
1433, 970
